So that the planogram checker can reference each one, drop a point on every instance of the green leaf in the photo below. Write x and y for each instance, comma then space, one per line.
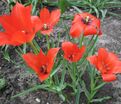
78, 95
63, 5
63, 77
56, 70
30, 90
2, 83
77, 9
85, 90
34, 6
100, 99
24, 48
99, 86
6, 56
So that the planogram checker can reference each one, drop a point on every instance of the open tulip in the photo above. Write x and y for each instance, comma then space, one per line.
107, 63
72, 52
42, 64
48, 20
86, 24
18, 26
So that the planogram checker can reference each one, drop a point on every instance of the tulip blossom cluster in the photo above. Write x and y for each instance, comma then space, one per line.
20, 27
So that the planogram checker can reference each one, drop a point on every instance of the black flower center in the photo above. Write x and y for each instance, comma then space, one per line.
70, 57
87, 20
43, 69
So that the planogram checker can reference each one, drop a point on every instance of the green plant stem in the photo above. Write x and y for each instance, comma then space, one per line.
95, 84
74, 76
33, 47
48, 43
90, 40
89, 50
81, 40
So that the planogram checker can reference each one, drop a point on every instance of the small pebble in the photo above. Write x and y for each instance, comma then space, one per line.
38, 100
71, 10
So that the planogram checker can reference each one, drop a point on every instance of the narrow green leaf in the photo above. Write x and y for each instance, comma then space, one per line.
2, 83
85, 90
100, 99
78, 96
30, 90
56, 70
63, 5
99, 86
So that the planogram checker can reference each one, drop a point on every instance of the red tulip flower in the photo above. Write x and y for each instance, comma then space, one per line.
42, 64
107, 63
48, 20
72, 52
86, 24
18, 26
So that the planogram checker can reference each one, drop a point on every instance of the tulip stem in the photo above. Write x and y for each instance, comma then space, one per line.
33, 47
89, 50
90, 40
74, 77
48, 44
81, 40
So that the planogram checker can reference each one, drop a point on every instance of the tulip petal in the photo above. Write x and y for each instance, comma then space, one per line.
22, 36
93, 60
117, 67
76, 18
67, 47
6, 22
55, 16
22, 15
46, 32
102, 57
4, 39
31, 60
76, 30
108, 77
91, 30
52, 53
43, 77
44, 15
36, 22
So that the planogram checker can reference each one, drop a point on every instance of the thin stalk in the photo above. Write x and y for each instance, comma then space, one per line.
74, 76
88, 50
90, 40
33, 47
78, 95
48, 43
74, 70
36, 45
70, 70
81, 40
